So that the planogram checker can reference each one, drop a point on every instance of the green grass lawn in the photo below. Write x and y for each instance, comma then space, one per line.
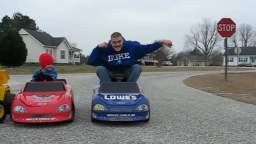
30, 68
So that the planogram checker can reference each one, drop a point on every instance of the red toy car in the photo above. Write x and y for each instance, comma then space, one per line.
43, 102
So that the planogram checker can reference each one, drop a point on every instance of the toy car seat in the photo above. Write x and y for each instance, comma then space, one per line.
118, 77
43, 77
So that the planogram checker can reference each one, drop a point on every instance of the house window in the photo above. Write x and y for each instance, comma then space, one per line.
253, 59
243, 59
230, 59
62, 54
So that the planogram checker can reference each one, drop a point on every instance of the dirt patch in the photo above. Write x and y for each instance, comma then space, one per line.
239, 86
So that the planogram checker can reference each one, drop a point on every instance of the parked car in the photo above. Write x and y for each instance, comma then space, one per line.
245, 65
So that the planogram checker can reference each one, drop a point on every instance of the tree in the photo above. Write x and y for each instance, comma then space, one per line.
23, 21
244, 37
246, 34
17, 22
13, 51
216, 59
203, 37
12, 48
83, 59
5, 25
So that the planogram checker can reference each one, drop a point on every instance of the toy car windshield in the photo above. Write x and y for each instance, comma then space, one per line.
44, 87
119, 87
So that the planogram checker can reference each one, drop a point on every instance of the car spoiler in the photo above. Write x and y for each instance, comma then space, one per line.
60, 80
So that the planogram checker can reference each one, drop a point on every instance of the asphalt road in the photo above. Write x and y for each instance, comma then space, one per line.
179, 115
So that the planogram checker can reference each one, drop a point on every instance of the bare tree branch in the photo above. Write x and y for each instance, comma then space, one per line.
246, 34
234, 40
203, 37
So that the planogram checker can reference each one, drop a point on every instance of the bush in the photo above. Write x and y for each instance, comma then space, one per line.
13, 51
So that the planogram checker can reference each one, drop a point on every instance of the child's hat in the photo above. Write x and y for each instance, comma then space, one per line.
45, 59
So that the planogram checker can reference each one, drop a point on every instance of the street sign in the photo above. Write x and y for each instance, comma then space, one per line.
226, 27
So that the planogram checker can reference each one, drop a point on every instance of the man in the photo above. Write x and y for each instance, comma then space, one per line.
120, 57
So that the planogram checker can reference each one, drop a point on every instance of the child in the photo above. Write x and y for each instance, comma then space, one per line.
47, 71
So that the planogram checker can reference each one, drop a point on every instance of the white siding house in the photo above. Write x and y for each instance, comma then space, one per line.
34, 47
62, 52
247, 57
38, 42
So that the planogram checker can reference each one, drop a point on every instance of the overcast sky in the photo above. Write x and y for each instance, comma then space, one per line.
89, 22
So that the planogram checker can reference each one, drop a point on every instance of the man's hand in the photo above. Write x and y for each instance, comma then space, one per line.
166, 42
103, 45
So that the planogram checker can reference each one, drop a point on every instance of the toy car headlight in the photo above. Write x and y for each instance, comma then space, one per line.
19, 108
63, 108
142, 107
98, 107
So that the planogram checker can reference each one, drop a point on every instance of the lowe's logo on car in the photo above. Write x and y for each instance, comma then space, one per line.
120, 97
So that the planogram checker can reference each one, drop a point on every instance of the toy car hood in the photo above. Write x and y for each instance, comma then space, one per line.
122, 99
123, 93
39, 99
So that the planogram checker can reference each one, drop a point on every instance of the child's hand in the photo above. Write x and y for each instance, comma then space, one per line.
45, 69
48, 67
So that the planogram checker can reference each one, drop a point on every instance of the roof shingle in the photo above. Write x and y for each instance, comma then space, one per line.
244, 51
45, 38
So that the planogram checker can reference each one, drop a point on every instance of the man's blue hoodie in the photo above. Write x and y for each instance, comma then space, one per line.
128, 56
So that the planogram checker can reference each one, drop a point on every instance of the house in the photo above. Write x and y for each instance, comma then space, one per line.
149, 59
158, 56
191, 61
38, 42
246, 56
75, 55
191, 58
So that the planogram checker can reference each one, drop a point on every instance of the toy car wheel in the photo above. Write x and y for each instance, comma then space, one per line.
2, 112
146, 120
8, 102
93, 119
73, 113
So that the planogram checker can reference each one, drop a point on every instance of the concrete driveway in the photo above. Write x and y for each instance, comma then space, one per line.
179, 115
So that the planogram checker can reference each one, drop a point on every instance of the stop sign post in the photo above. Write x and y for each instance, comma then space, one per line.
226, 28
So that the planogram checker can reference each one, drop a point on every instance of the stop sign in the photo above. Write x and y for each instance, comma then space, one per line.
226, 27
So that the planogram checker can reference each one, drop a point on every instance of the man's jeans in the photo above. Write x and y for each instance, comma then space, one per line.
132, 74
